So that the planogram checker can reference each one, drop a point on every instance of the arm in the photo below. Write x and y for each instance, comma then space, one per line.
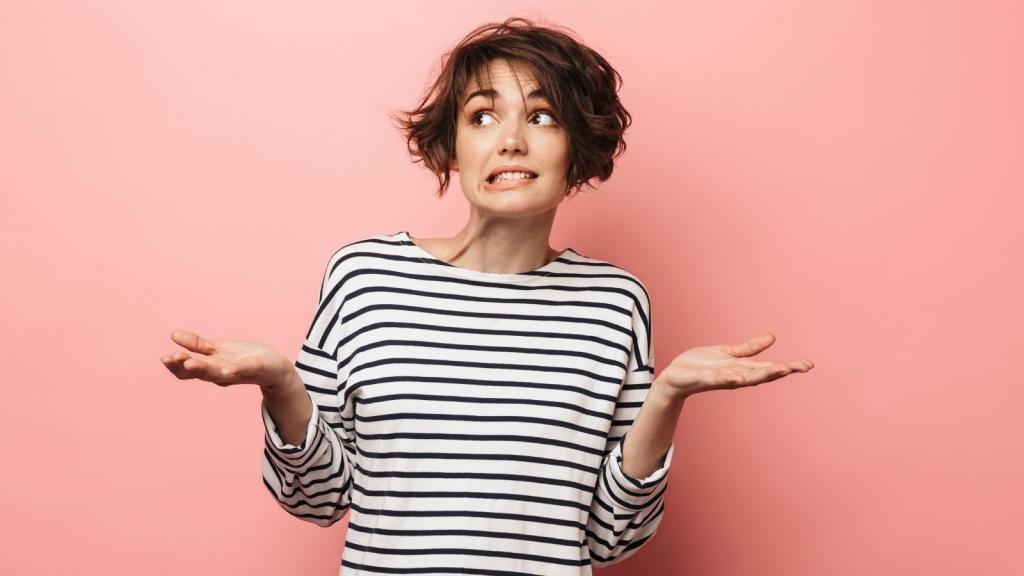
290, 409
651, 434
627, 507
306, 460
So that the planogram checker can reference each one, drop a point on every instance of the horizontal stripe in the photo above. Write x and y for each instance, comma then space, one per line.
576, 544
467, 551
468, 422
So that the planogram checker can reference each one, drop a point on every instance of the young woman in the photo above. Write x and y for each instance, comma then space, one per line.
484, 404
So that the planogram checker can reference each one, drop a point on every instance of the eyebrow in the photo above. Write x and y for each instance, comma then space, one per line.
492, 93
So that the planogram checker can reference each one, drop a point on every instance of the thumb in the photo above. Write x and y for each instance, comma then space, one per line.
751, 347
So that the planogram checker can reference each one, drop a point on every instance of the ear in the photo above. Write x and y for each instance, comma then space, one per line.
455, 165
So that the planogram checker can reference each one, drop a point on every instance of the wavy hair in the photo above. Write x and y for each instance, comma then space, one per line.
580, 85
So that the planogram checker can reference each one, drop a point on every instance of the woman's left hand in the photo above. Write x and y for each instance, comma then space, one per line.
724, 367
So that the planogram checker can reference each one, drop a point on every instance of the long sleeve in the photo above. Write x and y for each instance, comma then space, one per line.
625, 511
313, 481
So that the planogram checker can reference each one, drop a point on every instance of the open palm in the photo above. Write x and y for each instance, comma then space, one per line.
227, 362
725, 366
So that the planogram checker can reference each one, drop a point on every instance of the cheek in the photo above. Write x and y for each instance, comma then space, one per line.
468, 149
558, 149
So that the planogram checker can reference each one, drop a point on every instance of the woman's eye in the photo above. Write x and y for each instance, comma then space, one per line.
473, 119
477, 117
549, 115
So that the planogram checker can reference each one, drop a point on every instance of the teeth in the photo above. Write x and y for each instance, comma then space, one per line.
511, 176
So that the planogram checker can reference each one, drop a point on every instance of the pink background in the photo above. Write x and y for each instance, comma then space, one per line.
846, 175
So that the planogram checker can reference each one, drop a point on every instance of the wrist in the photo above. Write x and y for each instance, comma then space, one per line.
663, 394
288, 387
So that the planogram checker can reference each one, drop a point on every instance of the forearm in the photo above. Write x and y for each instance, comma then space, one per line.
290, 408
650, 436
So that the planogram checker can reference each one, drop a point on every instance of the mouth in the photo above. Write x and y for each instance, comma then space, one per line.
510, 177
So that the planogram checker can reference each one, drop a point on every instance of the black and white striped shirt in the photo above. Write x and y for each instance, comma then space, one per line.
472, 422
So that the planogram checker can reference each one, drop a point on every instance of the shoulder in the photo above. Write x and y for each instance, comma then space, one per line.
361, 252
368, 246
373, 244
619, 276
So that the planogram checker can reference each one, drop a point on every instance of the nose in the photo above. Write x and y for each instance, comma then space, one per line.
513, 139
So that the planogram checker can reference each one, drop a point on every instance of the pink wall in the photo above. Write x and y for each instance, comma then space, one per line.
847, 175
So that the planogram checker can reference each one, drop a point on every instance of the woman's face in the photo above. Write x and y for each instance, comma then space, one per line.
497, 129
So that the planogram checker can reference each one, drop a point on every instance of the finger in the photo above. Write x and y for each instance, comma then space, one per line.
796, 365
722, 378
751, 347
178, 358
800, 365
176, 369
229, 375
730, 380
205, 371
769, 373
200, 368
193, 342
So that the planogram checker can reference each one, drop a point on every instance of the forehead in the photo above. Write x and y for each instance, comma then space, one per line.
498, 81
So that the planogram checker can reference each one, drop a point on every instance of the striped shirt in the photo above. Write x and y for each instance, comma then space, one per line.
471, 422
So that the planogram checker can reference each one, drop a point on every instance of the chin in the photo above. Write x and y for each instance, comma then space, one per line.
520, 205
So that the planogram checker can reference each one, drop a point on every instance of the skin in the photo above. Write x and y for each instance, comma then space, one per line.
507, 232
231, 362
701, 369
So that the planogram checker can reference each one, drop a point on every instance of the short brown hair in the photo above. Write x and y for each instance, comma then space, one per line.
579, 84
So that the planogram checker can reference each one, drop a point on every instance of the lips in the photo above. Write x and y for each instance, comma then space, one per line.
510, 168
513, 178
508, 184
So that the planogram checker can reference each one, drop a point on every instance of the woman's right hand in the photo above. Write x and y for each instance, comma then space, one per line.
228, 362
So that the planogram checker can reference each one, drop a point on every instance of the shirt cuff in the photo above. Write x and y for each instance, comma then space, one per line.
636, 490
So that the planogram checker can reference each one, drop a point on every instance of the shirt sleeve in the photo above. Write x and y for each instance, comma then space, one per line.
313, 481
625, 511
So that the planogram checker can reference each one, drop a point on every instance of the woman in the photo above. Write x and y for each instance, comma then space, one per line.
469, 398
